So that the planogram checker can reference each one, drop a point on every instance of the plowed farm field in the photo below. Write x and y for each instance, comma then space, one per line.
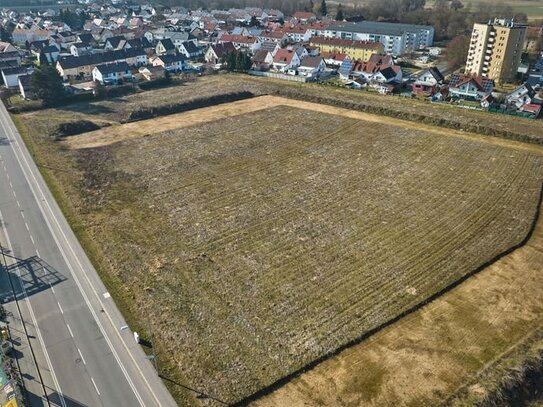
259, 242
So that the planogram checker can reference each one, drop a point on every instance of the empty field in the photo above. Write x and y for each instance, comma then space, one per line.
259, 242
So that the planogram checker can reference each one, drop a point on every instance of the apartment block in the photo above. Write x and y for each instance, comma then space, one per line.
495, 50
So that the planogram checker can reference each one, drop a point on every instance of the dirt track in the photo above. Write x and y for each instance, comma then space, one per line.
114, 134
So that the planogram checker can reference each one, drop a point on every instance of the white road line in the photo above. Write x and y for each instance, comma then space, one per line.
35, 322
52, 289
95, 386
14, 194
23, 214
27, 228
32, 239
38, 253
74, 275
61, 311
70, 330
10, 184
81, 356
18, 204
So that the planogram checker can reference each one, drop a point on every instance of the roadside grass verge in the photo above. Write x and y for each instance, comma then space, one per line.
119, 292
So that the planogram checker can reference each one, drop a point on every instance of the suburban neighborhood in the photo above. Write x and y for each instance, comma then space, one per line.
271, 203
389, 58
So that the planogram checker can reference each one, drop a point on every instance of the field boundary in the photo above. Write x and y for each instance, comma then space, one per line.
286, 379
362, 106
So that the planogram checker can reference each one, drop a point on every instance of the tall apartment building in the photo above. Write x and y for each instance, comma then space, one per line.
495, 50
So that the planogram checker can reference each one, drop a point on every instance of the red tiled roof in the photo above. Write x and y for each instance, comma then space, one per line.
240, 39
284, 56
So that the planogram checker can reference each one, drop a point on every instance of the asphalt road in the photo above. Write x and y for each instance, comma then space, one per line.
82, 354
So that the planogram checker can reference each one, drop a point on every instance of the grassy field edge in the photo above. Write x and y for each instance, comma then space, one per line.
168, 372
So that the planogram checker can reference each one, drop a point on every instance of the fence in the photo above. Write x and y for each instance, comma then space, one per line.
292, 78
513, 113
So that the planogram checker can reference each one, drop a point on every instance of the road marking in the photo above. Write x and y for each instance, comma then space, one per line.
72, 271
71, 333
81, 356
28, 172
23, 214
14, 194
38, 253
27, 228
10, 184
18, 204
61, 311
32, 239
95, 387
35, 322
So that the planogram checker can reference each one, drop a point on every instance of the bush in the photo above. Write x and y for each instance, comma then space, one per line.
72, 128
150, 112
156, 83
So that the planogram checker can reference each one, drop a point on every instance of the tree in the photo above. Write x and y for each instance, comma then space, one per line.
43, 59
4, 35
339, 14
237, 61
457, 51
323, 8
456, 5
46, 84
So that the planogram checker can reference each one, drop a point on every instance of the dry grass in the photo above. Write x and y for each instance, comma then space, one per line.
260, 242
451, 349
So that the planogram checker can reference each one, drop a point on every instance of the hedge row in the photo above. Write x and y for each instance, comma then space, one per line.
463, 125
144, 113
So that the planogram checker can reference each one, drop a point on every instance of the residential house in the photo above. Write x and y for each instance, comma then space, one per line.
7, 47
24, 86
85, 38
533, 109
10, 76
304, 16
262, 60
286, 59
369, 68
189, 50
11, 58
311, 66
51, 54
470, 87
276, 36
21, 35
152, 72
427, 81
216, 52
245, 43
522, 95
79, 48
333, 59
357, 50
171, 62
346, 68
112, 43
82, 66
165, 46
112, 74
389, 74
